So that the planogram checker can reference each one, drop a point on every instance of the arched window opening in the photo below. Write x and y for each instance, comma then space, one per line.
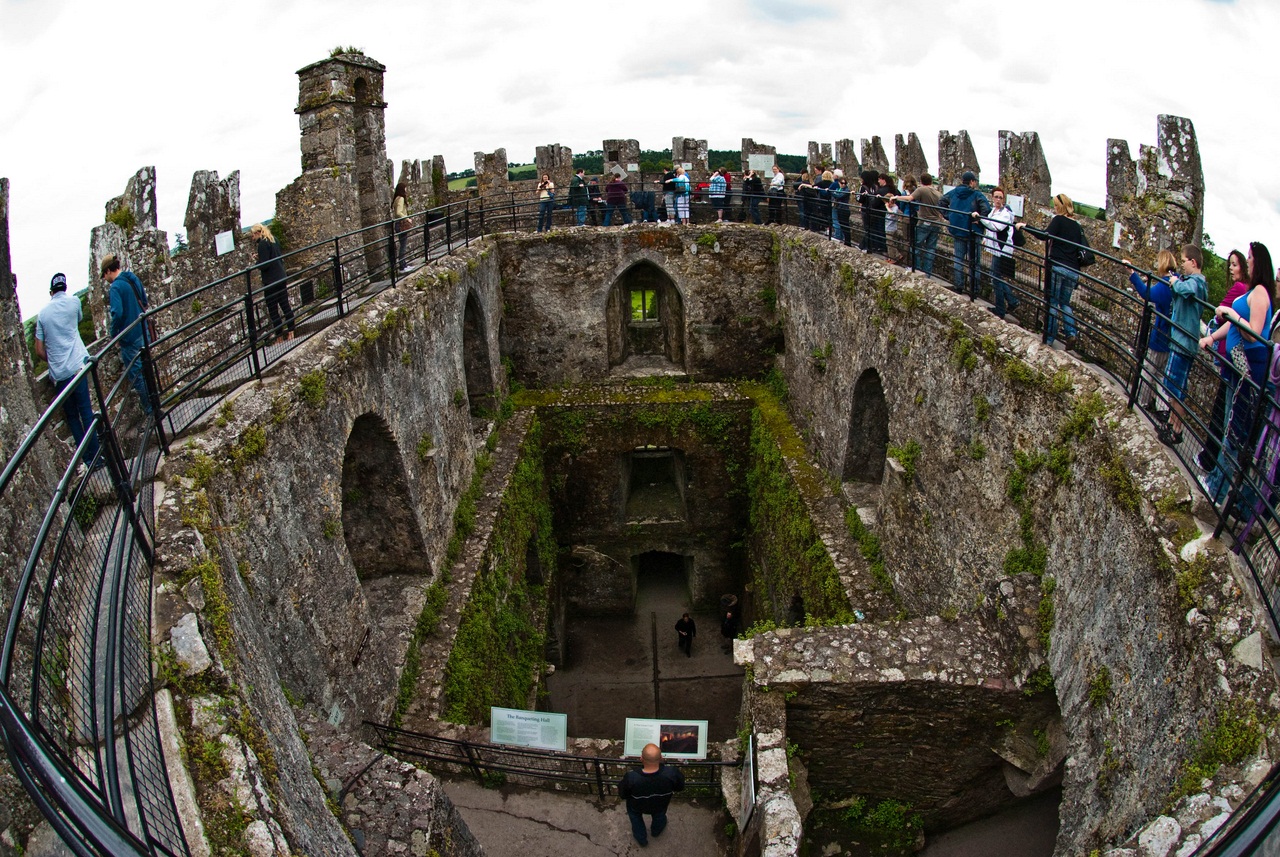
378, 523
645, 319
868, 431
477, 368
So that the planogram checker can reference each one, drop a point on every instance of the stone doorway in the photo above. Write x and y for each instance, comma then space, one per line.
868, 440
630, 666
476, 366
645, 320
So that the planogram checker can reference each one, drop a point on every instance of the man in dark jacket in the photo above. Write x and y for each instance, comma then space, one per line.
578, 197
615, 197
648, 791
127, 300
963, 201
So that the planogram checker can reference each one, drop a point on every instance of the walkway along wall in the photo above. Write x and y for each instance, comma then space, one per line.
1010, 458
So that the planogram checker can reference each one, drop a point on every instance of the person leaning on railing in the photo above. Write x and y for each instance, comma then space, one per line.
963, 200
1246, 324
1189, 294
927, 200
1160, 294
998, 241
777, 194
1064, 237
1238, 276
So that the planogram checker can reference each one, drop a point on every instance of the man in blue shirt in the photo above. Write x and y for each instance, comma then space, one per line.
127, 300
963, 201
58, 341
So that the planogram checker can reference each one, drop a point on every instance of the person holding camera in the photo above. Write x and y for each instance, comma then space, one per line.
546, 202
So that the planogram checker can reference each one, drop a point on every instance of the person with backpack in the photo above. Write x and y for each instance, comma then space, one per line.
128, 300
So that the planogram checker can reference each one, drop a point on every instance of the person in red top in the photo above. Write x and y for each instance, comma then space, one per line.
615, 198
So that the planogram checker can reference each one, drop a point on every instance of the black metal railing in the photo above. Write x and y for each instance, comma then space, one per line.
76, 702
493, 764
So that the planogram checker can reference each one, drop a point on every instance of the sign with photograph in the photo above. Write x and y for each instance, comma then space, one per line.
539, 729
677, 739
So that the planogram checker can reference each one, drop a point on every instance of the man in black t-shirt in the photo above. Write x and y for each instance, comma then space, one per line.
648, 791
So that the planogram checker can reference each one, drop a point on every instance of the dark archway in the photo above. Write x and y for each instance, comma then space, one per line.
868, 431
477, 368
662, 579
378, 523
645, 318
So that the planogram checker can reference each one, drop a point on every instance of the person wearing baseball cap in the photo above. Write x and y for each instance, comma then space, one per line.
58, 342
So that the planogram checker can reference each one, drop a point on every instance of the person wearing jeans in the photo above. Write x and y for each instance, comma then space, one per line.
57, 340
926, 200
963, 201
546, 202
998, 242
1064, 239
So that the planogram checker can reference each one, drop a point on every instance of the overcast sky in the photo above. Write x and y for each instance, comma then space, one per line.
97, 90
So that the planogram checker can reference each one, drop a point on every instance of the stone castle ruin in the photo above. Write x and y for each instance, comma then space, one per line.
402, 549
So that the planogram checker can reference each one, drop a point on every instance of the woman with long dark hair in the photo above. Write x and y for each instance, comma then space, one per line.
1064, 238
1238, 277
1245, 325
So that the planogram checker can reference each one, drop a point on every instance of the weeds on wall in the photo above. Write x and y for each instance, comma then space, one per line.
497, 655
790, 556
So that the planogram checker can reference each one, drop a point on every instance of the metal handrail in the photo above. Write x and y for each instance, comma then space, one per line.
191, 366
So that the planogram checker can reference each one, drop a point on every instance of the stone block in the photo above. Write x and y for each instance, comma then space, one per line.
1023, 168
188, 645
873, 155
955, 155
1159, 837
1249, 651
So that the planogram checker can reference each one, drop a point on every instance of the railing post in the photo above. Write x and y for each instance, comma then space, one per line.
448, 231
337, 276
975, 253
1144, 334
1048, 293
511, 201
152, 380
426, 236
466, 224
911, 236
481, 218
253, 326
473, 762
391, 251
599, 766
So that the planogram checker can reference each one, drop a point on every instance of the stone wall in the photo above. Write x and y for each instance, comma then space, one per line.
140, 246
556, 290
25, 500
1157, 200
955, 155
1023, 169
751, 147
971, 392
691, 151
873, 156
601, 514
492, 172
557, 161
846, 156
908, 157
339, 631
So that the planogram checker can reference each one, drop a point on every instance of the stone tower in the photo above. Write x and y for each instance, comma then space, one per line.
346, 177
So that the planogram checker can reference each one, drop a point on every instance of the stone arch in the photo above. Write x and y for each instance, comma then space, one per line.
868, 439
378, 521
645, 318
477, 368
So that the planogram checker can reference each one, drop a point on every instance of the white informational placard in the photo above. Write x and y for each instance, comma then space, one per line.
1015, 203
748, 783
762, 163
633, 168
1115, 235
677, 739
618, 170
224, 243
687, 166
539, 729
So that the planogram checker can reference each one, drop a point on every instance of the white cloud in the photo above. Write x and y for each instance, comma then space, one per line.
99, 90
